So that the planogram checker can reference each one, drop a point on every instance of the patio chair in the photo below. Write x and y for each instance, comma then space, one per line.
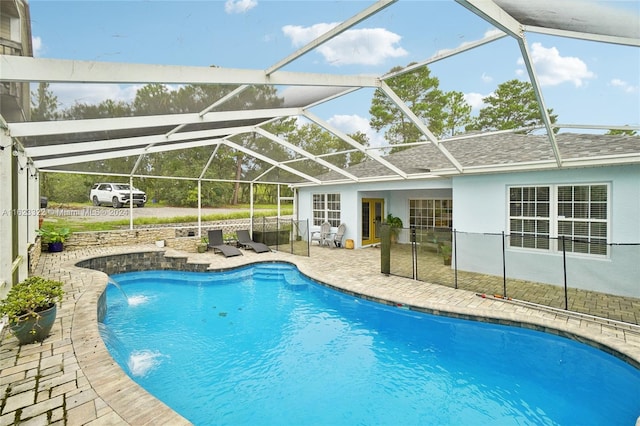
246, 241
322, 236
336, 238
216, 243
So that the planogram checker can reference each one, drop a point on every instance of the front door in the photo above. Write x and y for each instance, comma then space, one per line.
372, 209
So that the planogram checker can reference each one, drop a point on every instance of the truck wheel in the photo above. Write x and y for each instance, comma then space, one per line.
95, 201
140, 204
116, 204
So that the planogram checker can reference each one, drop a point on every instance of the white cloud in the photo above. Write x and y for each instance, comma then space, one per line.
239, 6
487, 34
367, 46
69, 94
300, 35
492, 32
486, 78
354, 123
36, 42
553, 69
625, 86
475, 100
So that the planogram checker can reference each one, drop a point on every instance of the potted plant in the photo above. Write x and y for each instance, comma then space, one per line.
395, 224
445, 252
202, 245
55, 238
30, 307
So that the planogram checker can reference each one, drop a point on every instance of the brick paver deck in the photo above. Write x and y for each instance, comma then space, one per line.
432, 269
70, 379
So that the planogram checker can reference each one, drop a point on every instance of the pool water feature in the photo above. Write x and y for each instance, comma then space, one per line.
265, 345
133, 300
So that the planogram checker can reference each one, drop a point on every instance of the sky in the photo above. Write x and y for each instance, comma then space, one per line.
584, 82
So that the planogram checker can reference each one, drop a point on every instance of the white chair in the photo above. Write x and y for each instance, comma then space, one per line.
335, 240
322, 236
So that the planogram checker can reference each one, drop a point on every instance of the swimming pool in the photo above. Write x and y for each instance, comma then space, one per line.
264, 345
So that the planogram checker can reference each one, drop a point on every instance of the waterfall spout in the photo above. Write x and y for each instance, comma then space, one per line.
116, 285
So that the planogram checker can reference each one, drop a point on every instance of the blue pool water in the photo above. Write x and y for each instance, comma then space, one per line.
263, 345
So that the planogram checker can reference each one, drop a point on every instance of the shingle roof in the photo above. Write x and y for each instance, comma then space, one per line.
500, 150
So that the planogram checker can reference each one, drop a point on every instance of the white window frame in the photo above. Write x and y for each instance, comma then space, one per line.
326, 207
584, 228
534, 221
558, 221
433, 218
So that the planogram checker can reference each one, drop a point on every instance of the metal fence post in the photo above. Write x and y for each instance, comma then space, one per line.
414, 252
504, 268
455, 260
564, 268
291, 237
385, 249
308, 238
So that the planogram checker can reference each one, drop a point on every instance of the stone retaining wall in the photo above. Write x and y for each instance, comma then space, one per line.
141, 261
180, 238
33, 253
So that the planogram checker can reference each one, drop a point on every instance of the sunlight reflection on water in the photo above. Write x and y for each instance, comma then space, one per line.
137, 300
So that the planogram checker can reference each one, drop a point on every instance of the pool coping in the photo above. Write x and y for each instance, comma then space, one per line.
132, 404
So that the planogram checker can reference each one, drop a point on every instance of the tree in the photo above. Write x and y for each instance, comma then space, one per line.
317, 141
357, 157
621, 132
153, 99
419, 90
44, 104
457, 113
44, 107
255, 97
66, 187
105, 109
513, 105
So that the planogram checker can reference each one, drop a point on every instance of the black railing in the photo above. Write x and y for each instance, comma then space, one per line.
286, 235
591, 277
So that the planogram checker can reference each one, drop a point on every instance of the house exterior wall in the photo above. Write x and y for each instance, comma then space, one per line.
480, 215
394, 194
481, 206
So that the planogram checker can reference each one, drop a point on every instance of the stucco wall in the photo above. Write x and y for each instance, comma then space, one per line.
480, 206
480, 215
395, 196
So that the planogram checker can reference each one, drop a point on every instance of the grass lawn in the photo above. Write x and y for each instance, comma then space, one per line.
79, 223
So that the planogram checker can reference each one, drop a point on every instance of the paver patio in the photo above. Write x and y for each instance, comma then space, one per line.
71, 379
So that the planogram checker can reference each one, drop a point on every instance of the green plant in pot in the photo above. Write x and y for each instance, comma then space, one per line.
30, 307
55, 238
395, 225
202, 245
446, 252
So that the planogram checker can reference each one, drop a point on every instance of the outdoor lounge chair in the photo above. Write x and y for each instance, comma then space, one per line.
322, 236
245, 241
217, 244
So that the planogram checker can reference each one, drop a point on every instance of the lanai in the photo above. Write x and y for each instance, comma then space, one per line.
57, 146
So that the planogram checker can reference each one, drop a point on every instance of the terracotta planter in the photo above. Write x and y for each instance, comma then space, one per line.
35, 329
